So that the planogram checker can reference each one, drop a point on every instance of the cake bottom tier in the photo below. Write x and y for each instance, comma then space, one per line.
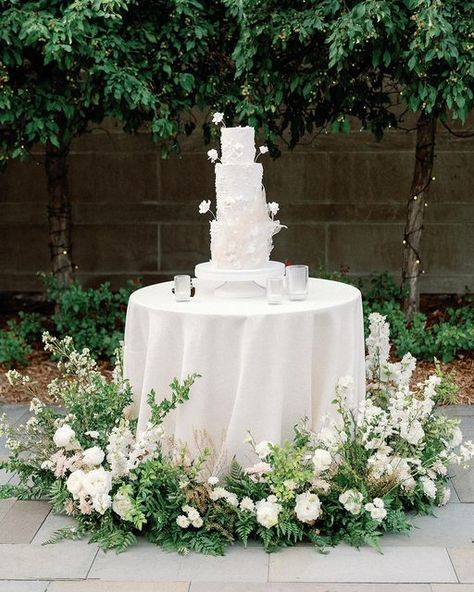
234, 246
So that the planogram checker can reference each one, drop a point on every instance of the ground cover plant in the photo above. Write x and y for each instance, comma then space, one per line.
355, 479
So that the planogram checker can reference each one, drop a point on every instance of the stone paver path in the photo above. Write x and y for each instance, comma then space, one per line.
438, 555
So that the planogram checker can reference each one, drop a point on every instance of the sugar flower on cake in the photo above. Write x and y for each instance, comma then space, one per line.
213, 155
273, 208
218, 118
204, 206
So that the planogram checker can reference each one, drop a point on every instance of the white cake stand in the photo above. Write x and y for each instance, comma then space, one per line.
239, 283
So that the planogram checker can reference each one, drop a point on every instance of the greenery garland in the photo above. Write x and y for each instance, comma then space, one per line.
355, 479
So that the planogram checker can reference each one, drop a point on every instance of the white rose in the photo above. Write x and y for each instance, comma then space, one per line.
93, 456
182, 521
75, 483
213, 480
212, 155
263, 448
122, 505
232, 499
352, 501
321, 460
258, 469
218, 118
267, 513
97, 481
308, 507
64, 436
204, 206
101, 502
247, 504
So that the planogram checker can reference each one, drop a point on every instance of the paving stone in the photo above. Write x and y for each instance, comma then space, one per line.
452, 587
50, 526
5, 505
22, 586
197, 567
463, 561
304, 587
22, 521
346, 564
452, 526
143, 562
68, 560
111, 586
463, 483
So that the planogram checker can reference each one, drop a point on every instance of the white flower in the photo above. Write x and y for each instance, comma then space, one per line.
248, 438
75, 483
290, 484
456, 438
445, 496
122, 505
376, 509
263, 149
204, 206
429, 487
182, 521
213, 480
247, 504
218, 118
263, 448
352, 501
92, 434
232, 499
197, 522
273, 208
212, 155
321, 460
64, 436
47, 465
258, 469
267, 512
308, 507
101, 502
93, 456
97, 481
412, 432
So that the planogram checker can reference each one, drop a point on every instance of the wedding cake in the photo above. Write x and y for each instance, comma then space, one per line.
243, 227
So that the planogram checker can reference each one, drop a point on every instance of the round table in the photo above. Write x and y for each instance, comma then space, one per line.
264, 367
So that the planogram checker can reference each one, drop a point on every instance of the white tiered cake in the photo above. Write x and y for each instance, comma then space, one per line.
241, 233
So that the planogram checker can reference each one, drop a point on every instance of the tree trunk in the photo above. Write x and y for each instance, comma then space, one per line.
424, 155
59, 213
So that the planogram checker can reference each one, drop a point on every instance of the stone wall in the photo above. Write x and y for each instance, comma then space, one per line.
343, 199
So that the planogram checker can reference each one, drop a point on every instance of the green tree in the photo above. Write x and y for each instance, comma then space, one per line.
67, 64
308, 65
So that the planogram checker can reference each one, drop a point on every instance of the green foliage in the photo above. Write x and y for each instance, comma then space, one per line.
94, 316
179, 394
15, 339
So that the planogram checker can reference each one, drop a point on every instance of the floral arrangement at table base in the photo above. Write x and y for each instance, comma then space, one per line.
354, 480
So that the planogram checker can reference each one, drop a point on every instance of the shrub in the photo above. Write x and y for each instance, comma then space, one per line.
15, 339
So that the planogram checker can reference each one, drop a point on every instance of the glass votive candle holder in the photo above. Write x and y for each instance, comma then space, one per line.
275, 290
297, 281
182, 288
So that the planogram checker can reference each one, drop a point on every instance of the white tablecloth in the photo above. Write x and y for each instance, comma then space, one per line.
264, 367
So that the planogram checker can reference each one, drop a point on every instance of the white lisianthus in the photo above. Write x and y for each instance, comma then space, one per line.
263, 149
247, 504
204, 206
352, 501
308, 507
75, 483
213, 480
321, 460
97, 481
273, 208
182, 521
64, 436
263, 448
122, 505
212, 155
267, 512
218, 118
429, 487
93, 456
376, 508
101, 502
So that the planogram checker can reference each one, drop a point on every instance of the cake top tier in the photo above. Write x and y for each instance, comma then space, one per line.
238, 145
